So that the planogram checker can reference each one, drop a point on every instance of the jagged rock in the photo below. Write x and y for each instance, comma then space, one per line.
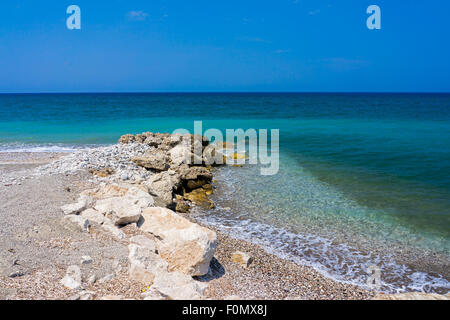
411, 296
93, 216
194, 173
200, 198
120, 210
187, 247
82, 203
77, 222
127, 138
180, 154
177, 286
242, 258
194, 184
162, 186
182, 206
145, 263
72, 279
156, 160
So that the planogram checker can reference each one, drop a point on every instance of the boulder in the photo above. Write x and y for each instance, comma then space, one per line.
83, 202
194, 173
176, 286
187, 247
145, 263
155, 160
93, 216
120, 210
162, 186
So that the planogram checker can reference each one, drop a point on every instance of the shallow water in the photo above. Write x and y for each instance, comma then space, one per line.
364, 178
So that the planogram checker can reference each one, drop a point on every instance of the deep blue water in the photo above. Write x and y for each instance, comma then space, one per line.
374, 165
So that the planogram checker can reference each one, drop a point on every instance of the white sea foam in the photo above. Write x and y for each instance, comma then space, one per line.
239, 216
22, 147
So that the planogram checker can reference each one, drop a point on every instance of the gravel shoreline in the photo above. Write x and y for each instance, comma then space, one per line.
44, 254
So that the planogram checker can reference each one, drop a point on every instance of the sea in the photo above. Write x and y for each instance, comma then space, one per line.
362, 193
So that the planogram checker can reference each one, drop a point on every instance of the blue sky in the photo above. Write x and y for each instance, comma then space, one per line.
284, 45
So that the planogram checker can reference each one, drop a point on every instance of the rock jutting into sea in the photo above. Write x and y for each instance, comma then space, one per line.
141, 181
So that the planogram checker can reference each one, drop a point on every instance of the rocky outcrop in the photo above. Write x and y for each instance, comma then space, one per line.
154, 160
163, 185
177, 286
180, 167
149, 268
187, 247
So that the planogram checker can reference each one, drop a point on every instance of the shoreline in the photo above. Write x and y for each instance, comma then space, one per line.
269, 277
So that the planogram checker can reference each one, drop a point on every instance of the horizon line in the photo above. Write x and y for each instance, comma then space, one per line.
226, 92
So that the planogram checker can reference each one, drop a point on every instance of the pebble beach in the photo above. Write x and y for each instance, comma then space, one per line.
38, 248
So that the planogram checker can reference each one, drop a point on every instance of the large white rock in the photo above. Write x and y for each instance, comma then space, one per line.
187, 247
177, 286
83, 202
72, 279
145, 263
162, 185
120, 210
93, 216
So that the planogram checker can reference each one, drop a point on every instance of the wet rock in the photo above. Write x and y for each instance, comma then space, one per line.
187, 247
200, 198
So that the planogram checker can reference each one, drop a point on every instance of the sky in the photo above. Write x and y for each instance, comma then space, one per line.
212, 45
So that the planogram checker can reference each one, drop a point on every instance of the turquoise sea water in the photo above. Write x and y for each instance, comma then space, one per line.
364, 178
